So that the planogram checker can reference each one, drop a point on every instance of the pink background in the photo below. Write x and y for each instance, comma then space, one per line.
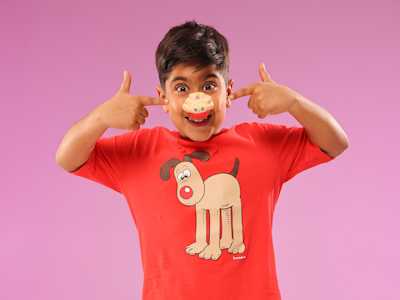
336, 225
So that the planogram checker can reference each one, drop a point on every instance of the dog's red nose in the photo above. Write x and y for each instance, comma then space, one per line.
186, 192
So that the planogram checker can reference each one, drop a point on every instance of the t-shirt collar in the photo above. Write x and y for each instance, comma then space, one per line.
187, 146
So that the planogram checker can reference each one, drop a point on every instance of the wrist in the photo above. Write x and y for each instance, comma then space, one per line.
96, 118
295, 104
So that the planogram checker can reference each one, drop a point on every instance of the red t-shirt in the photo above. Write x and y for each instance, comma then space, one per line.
204, 220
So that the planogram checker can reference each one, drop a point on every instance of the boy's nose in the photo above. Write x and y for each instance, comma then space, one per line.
197, 103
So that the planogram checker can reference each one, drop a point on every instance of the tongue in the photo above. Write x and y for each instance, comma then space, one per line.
199, 116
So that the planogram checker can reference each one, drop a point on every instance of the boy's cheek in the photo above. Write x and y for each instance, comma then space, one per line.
173, 107
221, 104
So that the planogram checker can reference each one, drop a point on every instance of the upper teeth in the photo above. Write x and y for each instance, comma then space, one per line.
197, 120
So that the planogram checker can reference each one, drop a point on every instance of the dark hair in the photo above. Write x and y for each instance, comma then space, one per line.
192, 43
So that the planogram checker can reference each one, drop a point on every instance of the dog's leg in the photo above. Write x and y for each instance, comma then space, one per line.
212, 250
201, 233
237, 245
226, 239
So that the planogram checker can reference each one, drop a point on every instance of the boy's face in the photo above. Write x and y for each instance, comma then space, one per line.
184, 80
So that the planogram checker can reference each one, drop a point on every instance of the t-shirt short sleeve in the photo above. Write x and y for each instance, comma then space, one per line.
294, 150
106, 160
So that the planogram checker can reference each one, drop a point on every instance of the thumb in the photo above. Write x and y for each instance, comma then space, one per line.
126, 83
263, 73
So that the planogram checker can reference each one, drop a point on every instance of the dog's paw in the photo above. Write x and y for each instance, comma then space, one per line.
195, 248
225, 243
210, 252
236, 248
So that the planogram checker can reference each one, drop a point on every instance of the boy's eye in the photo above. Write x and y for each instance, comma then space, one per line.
210, 84
178, 88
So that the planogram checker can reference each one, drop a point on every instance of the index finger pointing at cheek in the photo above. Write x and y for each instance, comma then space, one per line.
152, 101
241, 92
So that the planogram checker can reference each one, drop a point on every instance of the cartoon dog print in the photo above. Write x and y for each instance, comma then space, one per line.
217, 193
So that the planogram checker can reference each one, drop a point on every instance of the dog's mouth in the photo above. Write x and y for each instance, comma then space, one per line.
199, 119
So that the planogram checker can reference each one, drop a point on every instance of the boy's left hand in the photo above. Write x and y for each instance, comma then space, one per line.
266, 97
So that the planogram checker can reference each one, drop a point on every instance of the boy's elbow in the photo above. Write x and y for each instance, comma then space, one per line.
63, 163
59, 161
338, 149
57, 158
344, 144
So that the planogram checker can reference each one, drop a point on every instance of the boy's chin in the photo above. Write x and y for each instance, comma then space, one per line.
198, 134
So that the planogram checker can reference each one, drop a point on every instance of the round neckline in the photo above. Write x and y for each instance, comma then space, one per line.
186, 145
188, 141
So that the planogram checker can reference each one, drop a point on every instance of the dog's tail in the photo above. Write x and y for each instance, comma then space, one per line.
235, 168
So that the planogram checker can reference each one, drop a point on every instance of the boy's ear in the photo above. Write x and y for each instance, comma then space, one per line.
229, 90
161, 95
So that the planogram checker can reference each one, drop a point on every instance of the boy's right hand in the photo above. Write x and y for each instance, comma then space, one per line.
125, 111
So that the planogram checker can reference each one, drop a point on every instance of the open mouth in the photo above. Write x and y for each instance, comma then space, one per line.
199, 120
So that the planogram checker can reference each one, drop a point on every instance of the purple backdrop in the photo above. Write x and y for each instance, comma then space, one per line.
336, 225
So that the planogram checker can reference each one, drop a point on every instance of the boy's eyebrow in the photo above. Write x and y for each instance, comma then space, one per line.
176, 78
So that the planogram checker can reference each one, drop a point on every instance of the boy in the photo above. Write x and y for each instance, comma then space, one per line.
202, 197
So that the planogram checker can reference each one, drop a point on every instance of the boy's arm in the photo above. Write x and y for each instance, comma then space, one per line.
79, 141
268, 97
122, 111
321, 127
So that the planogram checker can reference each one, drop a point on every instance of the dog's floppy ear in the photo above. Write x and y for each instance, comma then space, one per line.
201, 155
164, 170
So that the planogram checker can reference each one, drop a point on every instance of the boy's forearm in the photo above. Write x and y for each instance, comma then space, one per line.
79, 141
322, 128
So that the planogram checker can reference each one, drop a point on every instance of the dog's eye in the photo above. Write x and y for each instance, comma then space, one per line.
186, 173
181, 176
